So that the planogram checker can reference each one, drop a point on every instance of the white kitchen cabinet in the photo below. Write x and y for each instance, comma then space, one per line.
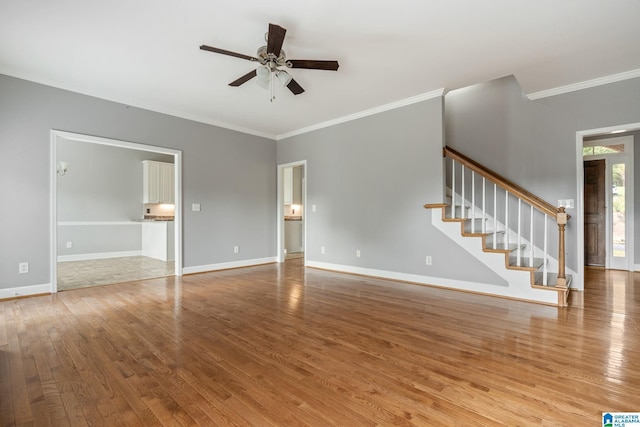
158, 240
157, 182
293, 185
288, 186
296, 186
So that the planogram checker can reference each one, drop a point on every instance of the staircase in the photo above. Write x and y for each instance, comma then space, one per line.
510, 221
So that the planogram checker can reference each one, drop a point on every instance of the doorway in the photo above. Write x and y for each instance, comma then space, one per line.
173, 229
292, 190
606, 198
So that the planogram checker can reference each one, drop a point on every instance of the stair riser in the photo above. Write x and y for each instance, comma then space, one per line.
525, 262
459, 212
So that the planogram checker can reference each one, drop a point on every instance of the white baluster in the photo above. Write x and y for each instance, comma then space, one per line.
506, 219
495, 216
463, 201
531, 239
473, 202
544, 258
484, 212
519, 230
453, 188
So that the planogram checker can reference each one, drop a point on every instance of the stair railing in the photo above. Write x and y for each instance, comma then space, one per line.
463, 173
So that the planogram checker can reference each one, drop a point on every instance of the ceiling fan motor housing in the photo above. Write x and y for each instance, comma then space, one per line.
270, 60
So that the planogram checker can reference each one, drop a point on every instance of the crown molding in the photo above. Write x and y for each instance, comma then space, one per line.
229, 126
140, 105
585, 84
380, 109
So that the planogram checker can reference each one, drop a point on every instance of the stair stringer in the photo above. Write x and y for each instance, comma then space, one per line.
518, 281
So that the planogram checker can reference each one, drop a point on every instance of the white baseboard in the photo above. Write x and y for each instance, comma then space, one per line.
403, 277
544, 297
24, 291
228, 265
102, 255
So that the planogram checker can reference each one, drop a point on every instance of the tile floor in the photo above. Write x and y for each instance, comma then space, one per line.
81, 274
293, 255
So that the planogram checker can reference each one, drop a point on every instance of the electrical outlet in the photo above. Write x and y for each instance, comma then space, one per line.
428, 260
358, 253
69, 245
236, 249
322, 251
195, 207
23, 267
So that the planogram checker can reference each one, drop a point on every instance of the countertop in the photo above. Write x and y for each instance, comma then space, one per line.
154, 219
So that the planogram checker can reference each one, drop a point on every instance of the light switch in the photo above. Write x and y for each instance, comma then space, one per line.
566, 203
313, 208
195, 207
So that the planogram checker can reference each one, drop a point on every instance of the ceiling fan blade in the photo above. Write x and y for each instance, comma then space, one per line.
314, 65
275, 39
294, 87
244, 79
227, 52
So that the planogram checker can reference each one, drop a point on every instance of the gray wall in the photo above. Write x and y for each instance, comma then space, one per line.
533, 143
103, 184
369, 179
231, 174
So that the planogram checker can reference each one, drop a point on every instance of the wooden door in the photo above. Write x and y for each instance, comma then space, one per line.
594, 213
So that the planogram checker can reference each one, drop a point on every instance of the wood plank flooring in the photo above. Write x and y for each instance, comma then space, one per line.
284, 345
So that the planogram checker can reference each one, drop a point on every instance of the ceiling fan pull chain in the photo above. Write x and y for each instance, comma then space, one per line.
273, 88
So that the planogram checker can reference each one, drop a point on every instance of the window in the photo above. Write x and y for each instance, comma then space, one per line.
602, 149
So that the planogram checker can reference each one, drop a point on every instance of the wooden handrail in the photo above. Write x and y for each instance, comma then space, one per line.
515, 189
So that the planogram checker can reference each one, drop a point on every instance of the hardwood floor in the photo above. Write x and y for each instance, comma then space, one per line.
285, 345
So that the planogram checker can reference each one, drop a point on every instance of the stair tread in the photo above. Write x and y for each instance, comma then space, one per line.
504, 246
499, 236
477, 226
552, 278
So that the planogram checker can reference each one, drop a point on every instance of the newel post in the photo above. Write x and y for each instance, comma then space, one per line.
561, 219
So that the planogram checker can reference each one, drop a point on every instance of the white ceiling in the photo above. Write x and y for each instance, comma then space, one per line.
145, 53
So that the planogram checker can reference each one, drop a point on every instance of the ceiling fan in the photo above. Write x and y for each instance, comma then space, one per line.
271, 58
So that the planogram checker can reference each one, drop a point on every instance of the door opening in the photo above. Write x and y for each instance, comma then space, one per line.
292, 184
57, 138
608, 202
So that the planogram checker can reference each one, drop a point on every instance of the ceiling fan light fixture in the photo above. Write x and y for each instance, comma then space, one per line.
264, 73
284, 77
